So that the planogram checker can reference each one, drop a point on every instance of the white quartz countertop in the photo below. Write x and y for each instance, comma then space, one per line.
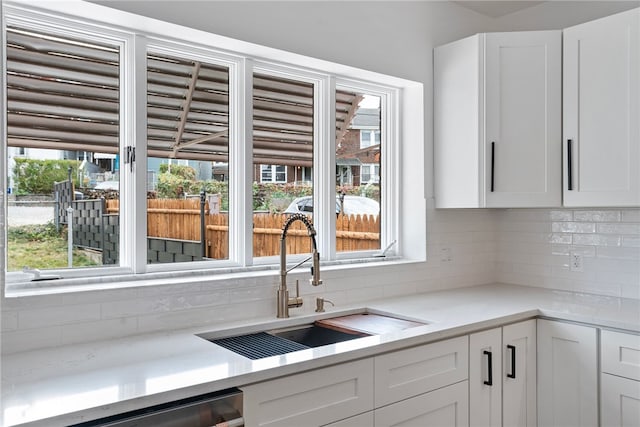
73, 384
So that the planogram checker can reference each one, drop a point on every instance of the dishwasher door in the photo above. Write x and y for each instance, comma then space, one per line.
221, 409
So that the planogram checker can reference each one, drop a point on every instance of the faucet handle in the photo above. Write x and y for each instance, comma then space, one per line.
296, 301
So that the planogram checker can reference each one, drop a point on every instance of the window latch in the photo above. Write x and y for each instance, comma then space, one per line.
130, 157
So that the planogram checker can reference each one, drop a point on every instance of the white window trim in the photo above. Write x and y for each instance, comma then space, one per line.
411, 235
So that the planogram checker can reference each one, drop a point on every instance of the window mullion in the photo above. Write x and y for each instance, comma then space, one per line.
240, 160
324, 167
133, 205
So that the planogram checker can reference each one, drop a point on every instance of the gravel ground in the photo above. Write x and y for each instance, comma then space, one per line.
26, 215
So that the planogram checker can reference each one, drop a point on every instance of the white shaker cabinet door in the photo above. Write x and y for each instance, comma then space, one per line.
523, 143
313, 398
446, 407
601, 112
485, 378
519, 408
567, 375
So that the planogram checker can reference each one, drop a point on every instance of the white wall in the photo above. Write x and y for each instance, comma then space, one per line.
395, 38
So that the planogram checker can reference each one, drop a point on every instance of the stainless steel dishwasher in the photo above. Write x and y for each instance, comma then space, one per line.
220, 409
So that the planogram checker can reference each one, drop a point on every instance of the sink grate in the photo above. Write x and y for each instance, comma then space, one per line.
259, 345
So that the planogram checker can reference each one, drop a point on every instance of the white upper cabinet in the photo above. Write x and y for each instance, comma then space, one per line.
601, 121
497, 127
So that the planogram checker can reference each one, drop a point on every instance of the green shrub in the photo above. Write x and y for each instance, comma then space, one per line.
33, 176
185, 172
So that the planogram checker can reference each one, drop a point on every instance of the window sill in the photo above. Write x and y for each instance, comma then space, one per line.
88, 284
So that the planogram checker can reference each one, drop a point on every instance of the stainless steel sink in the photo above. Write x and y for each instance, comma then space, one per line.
332, 330
281, 341
315, 335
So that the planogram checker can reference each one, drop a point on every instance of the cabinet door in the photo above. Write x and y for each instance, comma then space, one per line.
485, 379
620, 402
567, 375
519, 374
416, 370
312, 398
601, 89
448, 406
523, 140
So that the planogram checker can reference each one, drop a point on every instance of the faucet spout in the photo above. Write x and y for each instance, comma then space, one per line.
283, 300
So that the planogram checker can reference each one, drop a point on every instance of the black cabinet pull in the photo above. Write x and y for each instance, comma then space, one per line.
489, 368
569, 164
513, 361
493, 162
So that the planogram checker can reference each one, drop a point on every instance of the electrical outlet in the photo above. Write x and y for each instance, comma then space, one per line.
576, 262
445, 255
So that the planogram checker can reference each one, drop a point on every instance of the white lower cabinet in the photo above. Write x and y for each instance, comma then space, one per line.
418, 386
567, 374
444, 407
313, 398
407, 373
620, 380
502, 376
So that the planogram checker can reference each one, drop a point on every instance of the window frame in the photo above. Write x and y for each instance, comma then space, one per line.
244, 59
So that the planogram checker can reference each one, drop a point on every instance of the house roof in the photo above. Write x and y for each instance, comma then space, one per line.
64, 94
366, 118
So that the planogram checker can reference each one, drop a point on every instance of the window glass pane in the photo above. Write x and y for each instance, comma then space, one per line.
188, 160
62, 139
283, 143
358, 159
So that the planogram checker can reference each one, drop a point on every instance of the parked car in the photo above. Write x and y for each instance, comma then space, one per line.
108, 185
353, 205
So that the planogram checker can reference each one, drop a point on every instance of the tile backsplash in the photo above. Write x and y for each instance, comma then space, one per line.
535, 247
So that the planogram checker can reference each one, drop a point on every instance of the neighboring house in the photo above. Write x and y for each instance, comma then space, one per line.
358, 151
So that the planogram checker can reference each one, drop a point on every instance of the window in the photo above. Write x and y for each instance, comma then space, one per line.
358, 160
370, 174
273, 173
63, 121
187, 134
183, 149
369, 138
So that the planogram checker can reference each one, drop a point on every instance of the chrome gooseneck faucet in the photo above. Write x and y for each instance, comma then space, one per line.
283, 300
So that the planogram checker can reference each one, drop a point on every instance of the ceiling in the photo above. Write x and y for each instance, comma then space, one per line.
496, 9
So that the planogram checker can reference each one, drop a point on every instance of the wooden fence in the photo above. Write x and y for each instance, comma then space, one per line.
180, 219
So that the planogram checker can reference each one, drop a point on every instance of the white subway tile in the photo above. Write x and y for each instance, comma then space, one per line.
129, 308
597, 239
619, 228
30, 339
597, 216
565, 238
631, 241
573, 227
619, 253
61, 315
99, 330
561, 215
200, 299
631, 215
9, 320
